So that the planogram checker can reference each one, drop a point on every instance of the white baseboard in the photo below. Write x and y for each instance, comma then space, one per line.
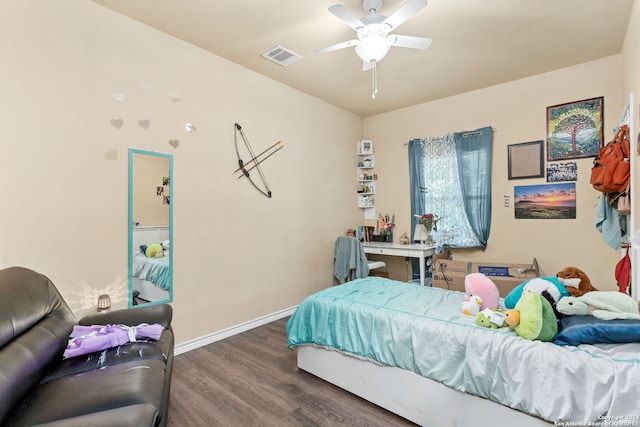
233, 330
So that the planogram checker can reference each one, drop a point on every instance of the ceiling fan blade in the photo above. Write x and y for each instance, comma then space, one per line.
347, 17
336, 46
410, 41
404, 12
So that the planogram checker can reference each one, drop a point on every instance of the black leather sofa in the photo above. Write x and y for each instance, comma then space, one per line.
127, 385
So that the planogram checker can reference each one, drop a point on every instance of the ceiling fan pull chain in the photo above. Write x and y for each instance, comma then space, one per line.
375, 82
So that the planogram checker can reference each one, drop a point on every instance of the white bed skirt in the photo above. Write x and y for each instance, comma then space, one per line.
149, 291
405, 393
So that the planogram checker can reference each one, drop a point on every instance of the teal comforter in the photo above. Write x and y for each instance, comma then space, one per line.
423, 330
154, 270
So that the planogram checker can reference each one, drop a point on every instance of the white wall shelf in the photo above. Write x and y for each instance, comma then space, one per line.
365, 174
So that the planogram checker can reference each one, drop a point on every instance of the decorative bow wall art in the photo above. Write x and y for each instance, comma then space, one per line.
245, 167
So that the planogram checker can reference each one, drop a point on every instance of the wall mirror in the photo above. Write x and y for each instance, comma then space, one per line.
150, 228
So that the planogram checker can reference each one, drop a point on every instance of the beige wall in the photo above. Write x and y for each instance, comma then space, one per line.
238, 255
148, 174
517, 111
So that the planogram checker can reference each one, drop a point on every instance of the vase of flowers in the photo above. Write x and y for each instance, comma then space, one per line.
386, 226
429, 221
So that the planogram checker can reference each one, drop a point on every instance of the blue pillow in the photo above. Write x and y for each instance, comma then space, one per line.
576, 330
513, 297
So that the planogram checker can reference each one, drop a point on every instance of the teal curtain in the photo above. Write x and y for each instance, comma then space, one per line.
474, 152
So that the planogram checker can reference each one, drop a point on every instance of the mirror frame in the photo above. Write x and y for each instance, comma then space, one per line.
132, 153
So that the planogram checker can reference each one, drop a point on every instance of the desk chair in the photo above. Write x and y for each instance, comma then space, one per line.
351, 261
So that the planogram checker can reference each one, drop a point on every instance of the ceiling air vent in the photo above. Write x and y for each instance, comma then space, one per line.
282, 56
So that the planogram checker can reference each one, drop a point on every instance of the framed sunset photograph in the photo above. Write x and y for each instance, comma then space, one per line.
545, 201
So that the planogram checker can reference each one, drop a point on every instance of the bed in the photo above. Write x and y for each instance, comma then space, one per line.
151, 277
409, 349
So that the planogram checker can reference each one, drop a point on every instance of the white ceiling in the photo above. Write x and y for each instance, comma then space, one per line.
476, 43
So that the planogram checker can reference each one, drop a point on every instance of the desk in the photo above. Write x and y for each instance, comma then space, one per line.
414, 250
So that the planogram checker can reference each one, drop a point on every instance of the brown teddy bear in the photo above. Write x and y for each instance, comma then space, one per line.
576, 281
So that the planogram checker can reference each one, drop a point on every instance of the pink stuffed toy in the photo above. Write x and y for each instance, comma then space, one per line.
480, 285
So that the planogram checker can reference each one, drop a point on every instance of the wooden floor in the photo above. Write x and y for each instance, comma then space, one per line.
251, 379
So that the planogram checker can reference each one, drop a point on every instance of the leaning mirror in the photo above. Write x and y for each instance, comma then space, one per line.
150, 228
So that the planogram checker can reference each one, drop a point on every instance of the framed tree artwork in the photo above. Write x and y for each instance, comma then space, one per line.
574, 130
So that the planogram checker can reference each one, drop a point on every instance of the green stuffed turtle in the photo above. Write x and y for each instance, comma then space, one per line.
606, 305
491, 318
533, 318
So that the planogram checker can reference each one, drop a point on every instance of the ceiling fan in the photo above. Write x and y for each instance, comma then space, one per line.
373, 38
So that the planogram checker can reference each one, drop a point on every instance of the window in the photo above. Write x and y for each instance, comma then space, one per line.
443, 196
451, 177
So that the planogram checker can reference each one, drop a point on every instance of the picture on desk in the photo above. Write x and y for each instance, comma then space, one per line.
365, 232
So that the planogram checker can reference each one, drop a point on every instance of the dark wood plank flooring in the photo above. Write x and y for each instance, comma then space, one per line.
251, 379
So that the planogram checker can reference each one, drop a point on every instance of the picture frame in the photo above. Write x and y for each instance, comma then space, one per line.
560, 172
526, 160
365, 146
575, 129
545, 201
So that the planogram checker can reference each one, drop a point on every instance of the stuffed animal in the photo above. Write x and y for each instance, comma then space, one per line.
533, 318
514, 295
165, 248
606, 305
493, 319
471, 305
480, 285
539, 285
547, 289
154, 251
576, 281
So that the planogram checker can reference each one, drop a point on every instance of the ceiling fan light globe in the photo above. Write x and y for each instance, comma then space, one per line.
373, 47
